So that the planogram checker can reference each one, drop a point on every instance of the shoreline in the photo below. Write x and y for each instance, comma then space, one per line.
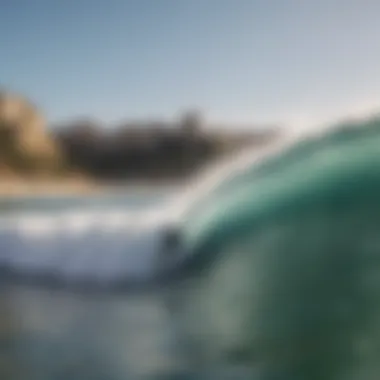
66, 187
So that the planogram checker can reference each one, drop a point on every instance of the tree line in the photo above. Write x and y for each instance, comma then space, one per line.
144, 150
130, 150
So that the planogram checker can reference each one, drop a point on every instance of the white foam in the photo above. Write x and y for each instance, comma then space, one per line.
101, 246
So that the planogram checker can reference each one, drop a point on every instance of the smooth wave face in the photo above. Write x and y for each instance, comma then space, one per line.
283, 274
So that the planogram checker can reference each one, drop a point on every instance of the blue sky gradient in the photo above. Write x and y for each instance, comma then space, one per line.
246, 61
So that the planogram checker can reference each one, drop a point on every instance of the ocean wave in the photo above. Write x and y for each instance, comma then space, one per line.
103, 247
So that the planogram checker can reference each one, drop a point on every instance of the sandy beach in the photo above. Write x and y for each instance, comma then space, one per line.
72, 187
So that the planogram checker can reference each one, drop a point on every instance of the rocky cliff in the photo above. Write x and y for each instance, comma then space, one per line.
25, 145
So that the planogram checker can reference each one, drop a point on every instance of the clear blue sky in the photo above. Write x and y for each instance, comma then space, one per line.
239, 60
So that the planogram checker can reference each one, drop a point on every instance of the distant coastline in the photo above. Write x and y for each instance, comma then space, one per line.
69, 187
84, 157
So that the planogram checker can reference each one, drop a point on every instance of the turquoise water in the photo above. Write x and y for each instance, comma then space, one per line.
284, 270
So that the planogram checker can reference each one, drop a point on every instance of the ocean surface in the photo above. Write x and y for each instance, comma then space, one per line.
62, 333
49, 333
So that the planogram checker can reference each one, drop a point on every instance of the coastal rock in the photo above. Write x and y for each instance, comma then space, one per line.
25, 145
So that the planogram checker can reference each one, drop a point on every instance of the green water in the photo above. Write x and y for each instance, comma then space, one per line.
284, 270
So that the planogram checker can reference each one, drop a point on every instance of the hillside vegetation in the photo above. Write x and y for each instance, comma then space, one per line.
128, 151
